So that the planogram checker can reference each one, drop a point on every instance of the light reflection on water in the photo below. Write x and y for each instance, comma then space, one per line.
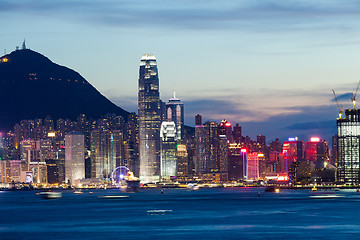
236, 213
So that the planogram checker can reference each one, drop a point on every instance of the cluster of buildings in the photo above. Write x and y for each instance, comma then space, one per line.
156, 146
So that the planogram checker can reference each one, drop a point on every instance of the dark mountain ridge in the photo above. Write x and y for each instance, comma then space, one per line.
32, 86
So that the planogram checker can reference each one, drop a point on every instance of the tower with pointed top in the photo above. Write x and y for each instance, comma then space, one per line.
175, 113
149, 119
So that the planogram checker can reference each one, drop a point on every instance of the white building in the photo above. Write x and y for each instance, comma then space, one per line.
74, 157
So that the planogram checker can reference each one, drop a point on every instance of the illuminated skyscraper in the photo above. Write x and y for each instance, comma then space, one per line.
103, 154
348, 147
168, 150
149, 119
74, 157
175, 113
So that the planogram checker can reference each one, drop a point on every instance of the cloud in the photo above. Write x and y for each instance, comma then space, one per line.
312, 125
187, 14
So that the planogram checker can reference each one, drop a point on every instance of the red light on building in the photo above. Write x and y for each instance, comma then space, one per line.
244, 150
283, 177
227, 124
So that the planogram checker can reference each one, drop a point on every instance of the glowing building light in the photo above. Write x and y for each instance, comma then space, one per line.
260, 155
314, 139
243, 150
227, 124
291, 139
51, 134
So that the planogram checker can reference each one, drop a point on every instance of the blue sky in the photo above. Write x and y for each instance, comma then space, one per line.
267, 65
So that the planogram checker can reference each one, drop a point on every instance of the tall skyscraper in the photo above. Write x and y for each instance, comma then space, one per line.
348, 162
149, 119
175, 113
103, 154
74, 157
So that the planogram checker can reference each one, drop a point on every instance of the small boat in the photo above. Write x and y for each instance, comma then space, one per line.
51, 195
272, 189
193, 187
113, 196
78, 192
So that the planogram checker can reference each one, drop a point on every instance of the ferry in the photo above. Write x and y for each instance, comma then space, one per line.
51, 195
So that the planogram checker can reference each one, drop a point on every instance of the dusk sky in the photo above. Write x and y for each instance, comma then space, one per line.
267, 65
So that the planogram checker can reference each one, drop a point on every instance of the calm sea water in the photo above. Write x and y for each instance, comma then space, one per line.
222, 213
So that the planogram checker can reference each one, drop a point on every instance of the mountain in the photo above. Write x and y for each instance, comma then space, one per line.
32, 86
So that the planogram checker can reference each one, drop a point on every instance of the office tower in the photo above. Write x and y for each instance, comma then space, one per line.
252, 166
293, 151
168, 150
175, 113
348, 162
223, 154
149, 119
334, 149
226, 129
260, 139
39, 172
212, 147
237, 133
103, 154
182, 164
131, 143
317, 152
44, 146
235, 162
74, 157
275, 145
202, 161
198, 120
28, 153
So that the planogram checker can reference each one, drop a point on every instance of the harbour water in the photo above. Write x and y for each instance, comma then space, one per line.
219, 213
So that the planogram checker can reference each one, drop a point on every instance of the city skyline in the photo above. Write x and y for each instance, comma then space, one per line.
269, 66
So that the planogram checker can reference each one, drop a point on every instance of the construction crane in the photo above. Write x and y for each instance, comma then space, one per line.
340, 108
353, 98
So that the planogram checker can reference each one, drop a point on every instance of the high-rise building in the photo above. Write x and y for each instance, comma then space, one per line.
149, 119
235, 162
175, 113
293, 151
317, 152
74, 157
237, 133
182, 165
168, 150
103, 154
348, 162
225, 128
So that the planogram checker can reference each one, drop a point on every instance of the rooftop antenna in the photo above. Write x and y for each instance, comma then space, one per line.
174, 90
23, 45
353, 98
340, 108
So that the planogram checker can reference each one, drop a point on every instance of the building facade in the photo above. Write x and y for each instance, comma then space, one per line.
149, 110
74, 157
348, 147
